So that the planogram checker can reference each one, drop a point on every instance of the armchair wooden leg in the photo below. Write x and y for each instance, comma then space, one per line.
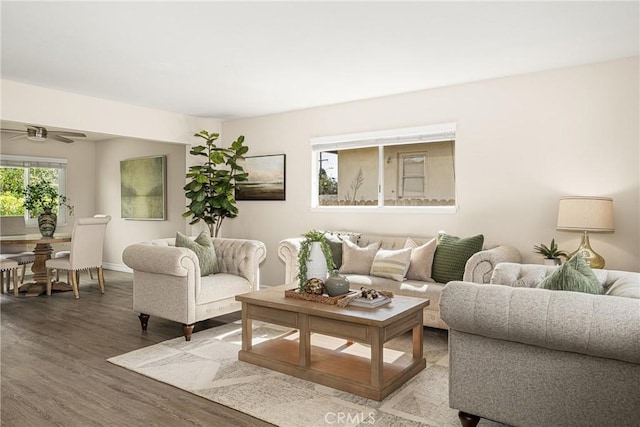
468, 420
91, 275
144, 320
100, 278
188, 329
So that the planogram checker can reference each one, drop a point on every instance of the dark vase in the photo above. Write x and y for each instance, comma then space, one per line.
47, 223
336, 284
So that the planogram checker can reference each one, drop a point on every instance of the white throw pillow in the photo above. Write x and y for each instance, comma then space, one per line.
392, 264
421, 260
357, 260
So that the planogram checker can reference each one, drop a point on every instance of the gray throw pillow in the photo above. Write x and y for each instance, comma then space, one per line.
203, 248
357, 260
574, 275
335, 239
452, 254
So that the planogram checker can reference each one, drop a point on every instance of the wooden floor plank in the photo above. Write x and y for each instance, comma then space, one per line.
54, 370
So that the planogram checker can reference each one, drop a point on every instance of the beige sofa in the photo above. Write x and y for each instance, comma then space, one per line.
478, 269
525, 356
167, 282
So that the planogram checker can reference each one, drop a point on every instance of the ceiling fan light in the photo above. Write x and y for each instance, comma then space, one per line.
36, 138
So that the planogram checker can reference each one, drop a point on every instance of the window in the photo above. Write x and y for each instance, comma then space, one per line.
399, 168
16, 172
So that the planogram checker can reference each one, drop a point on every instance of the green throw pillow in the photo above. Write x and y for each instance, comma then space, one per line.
452, 254
574, 275
203, 247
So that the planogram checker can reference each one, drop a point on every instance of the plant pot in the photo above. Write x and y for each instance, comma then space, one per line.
47, 224
551, 261
336, 284
316, 264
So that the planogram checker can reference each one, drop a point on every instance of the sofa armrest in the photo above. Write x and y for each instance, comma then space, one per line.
597, 325
240, 257
168, 260
479, 267
288, 250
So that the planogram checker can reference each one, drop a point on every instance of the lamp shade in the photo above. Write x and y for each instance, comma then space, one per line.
585, 214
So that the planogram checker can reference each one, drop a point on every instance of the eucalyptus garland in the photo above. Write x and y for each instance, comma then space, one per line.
305, 250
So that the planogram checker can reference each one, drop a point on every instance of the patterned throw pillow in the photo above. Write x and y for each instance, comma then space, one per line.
392, 264
203, 247
574, 275
357, 260
421, 260
452, 254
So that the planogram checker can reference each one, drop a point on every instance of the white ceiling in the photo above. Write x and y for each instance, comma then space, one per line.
230, 60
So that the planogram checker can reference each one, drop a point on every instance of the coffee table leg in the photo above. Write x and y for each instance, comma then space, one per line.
377, 359
417, 342
304, 342
247, 328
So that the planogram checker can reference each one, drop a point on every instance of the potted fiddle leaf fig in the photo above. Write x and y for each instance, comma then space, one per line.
42, 199
551, 253
212, 186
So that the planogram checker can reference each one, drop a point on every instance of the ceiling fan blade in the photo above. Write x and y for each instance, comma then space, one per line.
65, 133
61, 138
13, 130
17, 137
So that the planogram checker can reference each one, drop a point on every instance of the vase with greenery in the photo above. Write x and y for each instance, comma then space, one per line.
304, 255
551, 252
42, 199
212, 186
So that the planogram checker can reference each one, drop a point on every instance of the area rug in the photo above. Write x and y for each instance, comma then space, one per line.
208, 366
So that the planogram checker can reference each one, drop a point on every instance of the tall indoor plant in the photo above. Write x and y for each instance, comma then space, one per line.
42, 199
212, 184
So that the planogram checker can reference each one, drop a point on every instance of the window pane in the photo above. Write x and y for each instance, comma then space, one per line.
11, 186
419, 174
354, 177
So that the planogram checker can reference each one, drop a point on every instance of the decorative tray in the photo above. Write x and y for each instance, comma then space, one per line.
323, 299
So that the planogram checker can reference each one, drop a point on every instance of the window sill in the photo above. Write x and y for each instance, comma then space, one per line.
388, 209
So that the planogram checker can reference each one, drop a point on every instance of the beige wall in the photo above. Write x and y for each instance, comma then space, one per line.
522, 143
93, 169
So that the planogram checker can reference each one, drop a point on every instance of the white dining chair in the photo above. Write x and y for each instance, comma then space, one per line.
65, 254
10, 267
15, 226
87, 241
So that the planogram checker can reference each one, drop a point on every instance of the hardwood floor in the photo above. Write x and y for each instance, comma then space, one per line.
54, 370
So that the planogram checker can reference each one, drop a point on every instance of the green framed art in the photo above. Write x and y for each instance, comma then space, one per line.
143, 188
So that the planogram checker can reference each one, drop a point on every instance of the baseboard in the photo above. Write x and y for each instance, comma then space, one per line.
116, 267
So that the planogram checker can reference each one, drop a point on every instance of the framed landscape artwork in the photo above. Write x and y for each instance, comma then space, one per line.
143, 188
266, 178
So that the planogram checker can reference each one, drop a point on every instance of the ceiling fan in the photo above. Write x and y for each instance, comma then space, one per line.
41, 134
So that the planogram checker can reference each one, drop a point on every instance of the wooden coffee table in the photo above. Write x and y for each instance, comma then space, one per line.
367, 375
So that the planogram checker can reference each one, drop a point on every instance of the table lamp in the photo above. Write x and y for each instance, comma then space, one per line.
586, 214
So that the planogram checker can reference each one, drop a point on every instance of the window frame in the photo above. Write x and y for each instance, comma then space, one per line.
26, 162
380, 139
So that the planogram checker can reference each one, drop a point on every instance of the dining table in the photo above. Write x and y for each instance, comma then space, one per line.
43, 251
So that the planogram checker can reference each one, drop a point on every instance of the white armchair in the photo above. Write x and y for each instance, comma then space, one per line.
167, 281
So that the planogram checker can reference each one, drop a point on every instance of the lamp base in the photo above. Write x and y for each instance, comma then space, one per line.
592, 257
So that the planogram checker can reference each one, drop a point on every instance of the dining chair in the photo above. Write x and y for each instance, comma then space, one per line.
15, 226
9, 266
87, 241
64, 254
